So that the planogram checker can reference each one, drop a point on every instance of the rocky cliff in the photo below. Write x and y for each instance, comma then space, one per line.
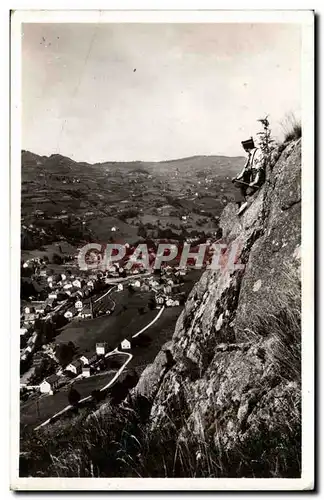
223, 397
225, 392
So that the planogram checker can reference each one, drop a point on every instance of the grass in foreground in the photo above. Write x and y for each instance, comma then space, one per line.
117, 443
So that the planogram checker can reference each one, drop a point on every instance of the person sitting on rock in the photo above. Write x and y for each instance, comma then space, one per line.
252, 175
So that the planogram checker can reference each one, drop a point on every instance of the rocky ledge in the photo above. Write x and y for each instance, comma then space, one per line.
228, 384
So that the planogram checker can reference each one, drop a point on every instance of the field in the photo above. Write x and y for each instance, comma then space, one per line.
61, 248
77, 202
111, 329
159, 334
49, 405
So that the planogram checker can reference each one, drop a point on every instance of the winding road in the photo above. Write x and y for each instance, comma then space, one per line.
105, 294
118, 373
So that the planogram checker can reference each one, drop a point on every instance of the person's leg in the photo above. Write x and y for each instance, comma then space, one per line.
239, 194
243, 191
252, 190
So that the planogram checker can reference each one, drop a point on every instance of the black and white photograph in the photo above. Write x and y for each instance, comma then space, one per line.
162, 175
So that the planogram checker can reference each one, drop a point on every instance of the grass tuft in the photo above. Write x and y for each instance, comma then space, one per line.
292, 128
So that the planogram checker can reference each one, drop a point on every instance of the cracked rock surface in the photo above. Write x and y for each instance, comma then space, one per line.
231, 375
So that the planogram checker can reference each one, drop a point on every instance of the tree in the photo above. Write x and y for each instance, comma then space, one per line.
152, 303
141, 231
57, 259
97, 395
74, 397
266, 141
44, 369
65, 353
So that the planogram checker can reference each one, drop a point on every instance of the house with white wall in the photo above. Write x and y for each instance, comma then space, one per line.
101, 348
75, 367
86, 371
125, 345
78, 304
88, 358
49, 384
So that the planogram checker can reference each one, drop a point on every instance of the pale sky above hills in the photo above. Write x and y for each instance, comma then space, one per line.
154, 91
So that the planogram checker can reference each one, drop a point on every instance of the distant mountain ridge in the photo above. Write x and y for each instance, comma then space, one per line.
196, 159
82, 201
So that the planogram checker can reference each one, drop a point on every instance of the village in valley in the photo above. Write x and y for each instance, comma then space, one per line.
131, 300
87, 330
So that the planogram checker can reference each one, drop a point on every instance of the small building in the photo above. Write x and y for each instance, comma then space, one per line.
78, 304
120, 287
159, 299
86, 371
52, 295
89, 358
32, 339
67, 286
39, 308
86, 313
68, 315
101, 348
28, 350
172, 303
75, 367
84, 291
49, 385
49, 302
23, 331
77, 283
84, 360
125, 345
167, 289
63, 277
137, 284
29, 319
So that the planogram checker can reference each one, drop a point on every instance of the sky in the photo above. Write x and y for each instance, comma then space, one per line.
124, 92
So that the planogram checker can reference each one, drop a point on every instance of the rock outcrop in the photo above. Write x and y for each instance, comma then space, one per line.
227, 386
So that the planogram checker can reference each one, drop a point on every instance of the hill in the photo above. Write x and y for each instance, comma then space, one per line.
76, 201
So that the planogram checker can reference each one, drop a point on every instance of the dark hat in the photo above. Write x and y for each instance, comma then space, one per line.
249, 143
